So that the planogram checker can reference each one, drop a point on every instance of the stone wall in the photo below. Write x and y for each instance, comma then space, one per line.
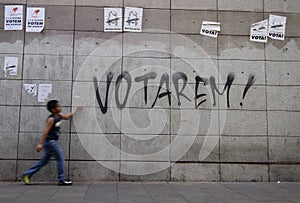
252, 139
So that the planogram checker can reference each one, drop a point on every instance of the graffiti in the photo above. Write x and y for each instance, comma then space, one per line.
178, 78
164, 80
146, 78
250, 82
214, 88
108, 82
125, 75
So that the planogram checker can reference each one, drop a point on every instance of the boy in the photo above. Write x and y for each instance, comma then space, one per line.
49, 142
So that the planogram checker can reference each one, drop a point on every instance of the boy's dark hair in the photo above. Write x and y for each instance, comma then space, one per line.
51, 105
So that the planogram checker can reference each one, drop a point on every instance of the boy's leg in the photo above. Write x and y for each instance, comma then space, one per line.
58, 154
40, 163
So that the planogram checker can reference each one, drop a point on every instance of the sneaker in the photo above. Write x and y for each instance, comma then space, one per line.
26, 179
65, 182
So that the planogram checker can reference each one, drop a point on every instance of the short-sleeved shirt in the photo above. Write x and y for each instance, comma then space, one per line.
54, 132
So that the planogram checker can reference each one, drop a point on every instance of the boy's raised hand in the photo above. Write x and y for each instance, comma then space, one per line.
69, 115
79, 108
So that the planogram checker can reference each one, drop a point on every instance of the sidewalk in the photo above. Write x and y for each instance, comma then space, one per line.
150, 192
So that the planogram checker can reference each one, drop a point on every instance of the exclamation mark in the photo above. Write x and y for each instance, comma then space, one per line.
250, 82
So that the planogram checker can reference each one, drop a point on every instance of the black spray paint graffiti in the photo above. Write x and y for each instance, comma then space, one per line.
250, 82
178, 79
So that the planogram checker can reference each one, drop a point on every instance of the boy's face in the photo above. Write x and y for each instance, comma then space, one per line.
57, 109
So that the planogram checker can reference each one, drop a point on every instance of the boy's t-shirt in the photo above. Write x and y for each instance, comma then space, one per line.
54, 132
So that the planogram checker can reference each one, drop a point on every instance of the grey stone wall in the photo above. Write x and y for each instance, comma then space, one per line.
260, 140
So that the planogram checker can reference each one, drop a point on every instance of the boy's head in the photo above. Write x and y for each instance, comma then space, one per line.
53, 106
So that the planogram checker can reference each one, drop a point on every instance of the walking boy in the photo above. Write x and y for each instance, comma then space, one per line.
49, 142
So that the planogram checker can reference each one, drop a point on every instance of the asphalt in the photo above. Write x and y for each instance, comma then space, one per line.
150, 192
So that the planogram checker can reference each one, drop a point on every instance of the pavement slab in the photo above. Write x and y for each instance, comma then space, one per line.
152, 192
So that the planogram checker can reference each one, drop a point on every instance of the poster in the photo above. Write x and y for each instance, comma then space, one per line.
259, 31
210, 29
31, 89
133, 19
44, 91
13, 17
10, 66
113, 20
277, 26
35, 19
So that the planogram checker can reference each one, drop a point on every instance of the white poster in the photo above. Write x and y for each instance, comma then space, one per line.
277, 26
13, 19
31, 89
133, 19
259, 31
113, 20
44, 91
35, 19
10, 66
210, 29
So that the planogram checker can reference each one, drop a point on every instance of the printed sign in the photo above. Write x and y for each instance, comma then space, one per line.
13, 19
259, 31
10, 66
210, 29
44, 91
35, 19
133, 19
113, 20
277, 26
31, 89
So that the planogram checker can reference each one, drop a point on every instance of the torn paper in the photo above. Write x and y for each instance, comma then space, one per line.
259, 31
35, 19
133, 19
277, 25
113, 20
13, 17
44, 91
10, 66
31, 89
210, 29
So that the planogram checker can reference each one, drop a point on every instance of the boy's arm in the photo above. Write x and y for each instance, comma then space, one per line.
69, 115
49, 125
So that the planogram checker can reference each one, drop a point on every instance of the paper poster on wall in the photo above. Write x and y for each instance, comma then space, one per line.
277, 26
133, 19
13, 17
35, 19
210, 29
10, 66
31, 89
113, 20
259, 31
44, 91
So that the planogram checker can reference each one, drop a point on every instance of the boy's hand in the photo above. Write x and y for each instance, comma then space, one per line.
79, 108
39, 147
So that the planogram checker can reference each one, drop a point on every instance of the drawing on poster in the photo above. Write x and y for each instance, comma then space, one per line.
35, 19
10, 66
259, 31
210, 29
277, 25
133, 19
31, 89
13, 17
113, 20
44, 91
